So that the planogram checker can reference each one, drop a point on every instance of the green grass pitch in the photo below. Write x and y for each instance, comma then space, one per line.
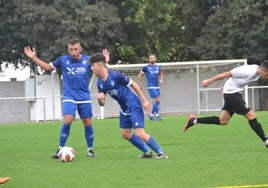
205, 156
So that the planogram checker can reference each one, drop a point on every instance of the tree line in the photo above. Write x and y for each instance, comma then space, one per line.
174, 30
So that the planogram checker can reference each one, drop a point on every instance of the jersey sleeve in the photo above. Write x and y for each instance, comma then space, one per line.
56, 64
144, 69
240, 72
100, 86
123, 79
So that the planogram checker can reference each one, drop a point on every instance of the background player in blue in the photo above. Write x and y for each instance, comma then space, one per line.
76, 96
131, 112
154, 77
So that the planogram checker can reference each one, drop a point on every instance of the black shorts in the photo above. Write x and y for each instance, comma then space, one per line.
234, 103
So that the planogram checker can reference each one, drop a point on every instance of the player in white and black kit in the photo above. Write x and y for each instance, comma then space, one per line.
233, 100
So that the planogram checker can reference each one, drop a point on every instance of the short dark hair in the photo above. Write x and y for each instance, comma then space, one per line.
98, 57
264, 64
74, 41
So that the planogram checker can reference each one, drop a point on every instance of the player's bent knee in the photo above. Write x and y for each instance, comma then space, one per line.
223, 122
126, 136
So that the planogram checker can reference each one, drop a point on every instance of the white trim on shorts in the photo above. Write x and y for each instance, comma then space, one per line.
76, 102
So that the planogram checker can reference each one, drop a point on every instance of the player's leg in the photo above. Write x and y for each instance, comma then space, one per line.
157, 105
69, 109
223, 119
155, 94
240, 107
85, 113
126, 132
137, 120
256, 126
230, 103
4, 180
151, 142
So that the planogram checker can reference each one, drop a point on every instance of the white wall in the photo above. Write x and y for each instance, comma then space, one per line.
44, 88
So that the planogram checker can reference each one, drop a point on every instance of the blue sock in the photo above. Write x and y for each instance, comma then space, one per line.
138, 143
156, 106
89, 135
153, 144
64, 133
153, 109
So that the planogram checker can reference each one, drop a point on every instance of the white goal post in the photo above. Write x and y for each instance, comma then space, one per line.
181, 92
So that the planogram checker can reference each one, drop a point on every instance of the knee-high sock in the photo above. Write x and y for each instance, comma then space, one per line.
209, 120
256, 126
89, 135
138, 143
156, 106
64, 133
154, 145
153, 109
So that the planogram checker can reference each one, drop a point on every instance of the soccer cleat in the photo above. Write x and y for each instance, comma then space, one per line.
146, 155
158, 118
161, 156
4, 180
189, 123
90, 153
56, 155
151, 118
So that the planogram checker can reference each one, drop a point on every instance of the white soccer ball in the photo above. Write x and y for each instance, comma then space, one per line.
66, 154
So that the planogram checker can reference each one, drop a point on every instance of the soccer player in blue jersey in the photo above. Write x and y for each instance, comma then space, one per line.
154, 77
117, 85
76, 73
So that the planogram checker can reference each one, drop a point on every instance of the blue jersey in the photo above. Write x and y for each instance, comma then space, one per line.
117, 86
76, 75
152, 72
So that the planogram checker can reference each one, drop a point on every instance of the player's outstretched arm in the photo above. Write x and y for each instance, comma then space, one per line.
31, 53
220, 76
145, 103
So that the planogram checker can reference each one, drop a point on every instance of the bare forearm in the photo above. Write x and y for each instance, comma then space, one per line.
138, 91
41, 63
220, 76
161, 77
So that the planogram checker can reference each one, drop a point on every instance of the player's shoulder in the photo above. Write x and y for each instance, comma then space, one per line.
114, 73
84, 56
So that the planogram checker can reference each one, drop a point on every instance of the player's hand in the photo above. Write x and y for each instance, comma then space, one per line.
160, 81
106, 54
205, 83
101, 99
29, 52
146, 105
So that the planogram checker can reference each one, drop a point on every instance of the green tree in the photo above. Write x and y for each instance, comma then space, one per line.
167, 28
49, 24
237, 30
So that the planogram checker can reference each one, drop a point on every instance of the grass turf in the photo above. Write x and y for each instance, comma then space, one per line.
205, 156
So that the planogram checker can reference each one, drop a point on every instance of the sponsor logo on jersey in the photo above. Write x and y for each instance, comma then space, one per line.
70, 70
113, 92
112, 82
76, 70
